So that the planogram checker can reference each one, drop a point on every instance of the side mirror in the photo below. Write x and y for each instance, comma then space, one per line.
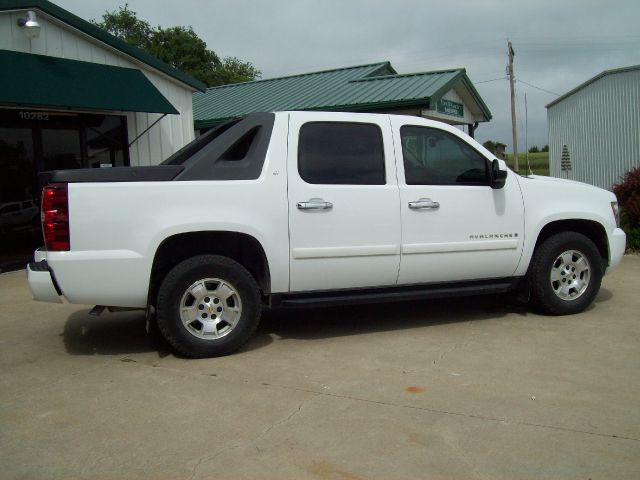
498, 175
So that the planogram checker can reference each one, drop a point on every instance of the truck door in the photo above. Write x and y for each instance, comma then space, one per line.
344, 221
454, 225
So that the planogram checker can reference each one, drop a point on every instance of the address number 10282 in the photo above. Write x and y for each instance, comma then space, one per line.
33, 116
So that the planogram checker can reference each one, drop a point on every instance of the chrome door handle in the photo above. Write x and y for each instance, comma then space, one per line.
315, 204
424, 203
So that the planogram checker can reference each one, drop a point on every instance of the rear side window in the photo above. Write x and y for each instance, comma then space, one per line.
341, 153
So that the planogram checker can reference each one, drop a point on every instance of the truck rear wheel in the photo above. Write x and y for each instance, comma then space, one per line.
565, 274
208, 306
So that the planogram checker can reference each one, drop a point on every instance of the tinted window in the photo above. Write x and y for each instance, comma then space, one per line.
341, 153
435, 157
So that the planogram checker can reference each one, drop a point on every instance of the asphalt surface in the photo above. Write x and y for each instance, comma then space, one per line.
466, 388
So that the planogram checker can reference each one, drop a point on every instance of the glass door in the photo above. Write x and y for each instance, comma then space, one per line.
61, 149
19, 213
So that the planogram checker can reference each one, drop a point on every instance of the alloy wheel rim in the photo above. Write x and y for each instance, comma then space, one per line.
570, 275
210, 308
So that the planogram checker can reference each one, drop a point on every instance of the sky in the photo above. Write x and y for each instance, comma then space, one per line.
558, 44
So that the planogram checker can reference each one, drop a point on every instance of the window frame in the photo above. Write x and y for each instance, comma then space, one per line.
455, 138
342, 122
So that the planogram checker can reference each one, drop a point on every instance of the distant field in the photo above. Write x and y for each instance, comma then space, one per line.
539, 162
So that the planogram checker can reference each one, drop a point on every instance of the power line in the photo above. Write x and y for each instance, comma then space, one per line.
487, 81
538, 88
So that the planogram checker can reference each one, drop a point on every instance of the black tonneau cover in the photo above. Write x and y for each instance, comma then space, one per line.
156, 173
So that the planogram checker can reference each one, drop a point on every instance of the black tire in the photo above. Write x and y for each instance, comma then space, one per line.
174, 289
546, 260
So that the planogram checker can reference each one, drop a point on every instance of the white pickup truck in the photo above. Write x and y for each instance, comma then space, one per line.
300, 208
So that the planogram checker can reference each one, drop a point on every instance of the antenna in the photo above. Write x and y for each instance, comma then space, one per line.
526, 133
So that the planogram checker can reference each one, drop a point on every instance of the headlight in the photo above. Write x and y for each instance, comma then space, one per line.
616, 212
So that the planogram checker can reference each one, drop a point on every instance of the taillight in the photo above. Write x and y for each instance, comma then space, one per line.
54, 214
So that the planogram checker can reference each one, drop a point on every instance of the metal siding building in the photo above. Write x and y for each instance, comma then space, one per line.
599, 122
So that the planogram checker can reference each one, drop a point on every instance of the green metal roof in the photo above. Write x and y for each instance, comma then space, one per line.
40, 80
361, 88
100, 34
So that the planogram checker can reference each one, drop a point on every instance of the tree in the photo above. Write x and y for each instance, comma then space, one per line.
534, 149
545, 148
234, 70
179, 47
125, 25
490, 145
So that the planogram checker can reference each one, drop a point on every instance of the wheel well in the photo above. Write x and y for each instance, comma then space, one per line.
242, 248
590, 229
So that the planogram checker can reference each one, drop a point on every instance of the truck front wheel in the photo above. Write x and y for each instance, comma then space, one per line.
565, 274
208, 306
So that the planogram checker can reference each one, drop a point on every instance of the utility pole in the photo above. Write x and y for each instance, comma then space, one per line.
513, 107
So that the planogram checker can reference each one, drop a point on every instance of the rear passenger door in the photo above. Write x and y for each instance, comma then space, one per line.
344, 202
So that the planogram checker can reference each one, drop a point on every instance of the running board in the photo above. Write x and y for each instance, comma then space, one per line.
392, 294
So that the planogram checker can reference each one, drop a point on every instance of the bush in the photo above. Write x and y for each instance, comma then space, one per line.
628, 193
633, 238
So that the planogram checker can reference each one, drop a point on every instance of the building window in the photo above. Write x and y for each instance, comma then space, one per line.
36, 141
106, 141
341, 153
61, 140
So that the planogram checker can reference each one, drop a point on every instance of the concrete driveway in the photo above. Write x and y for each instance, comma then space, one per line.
469, 388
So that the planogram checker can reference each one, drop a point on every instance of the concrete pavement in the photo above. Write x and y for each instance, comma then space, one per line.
465, 388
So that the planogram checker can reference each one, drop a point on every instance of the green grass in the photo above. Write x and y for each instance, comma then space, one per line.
539, 162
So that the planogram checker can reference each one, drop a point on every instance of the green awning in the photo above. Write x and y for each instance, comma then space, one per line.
40, 81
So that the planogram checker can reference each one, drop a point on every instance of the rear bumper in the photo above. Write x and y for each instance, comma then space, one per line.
617, 246
41, 282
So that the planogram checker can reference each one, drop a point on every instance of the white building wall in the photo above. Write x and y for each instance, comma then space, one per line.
58, 39
600, 124
452, 95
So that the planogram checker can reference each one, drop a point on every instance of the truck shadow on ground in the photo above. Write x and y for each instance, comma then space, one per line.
110, 334
125, 333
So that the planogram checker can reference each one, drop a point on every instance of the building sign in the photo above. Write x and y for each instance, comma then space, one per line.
449, 107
